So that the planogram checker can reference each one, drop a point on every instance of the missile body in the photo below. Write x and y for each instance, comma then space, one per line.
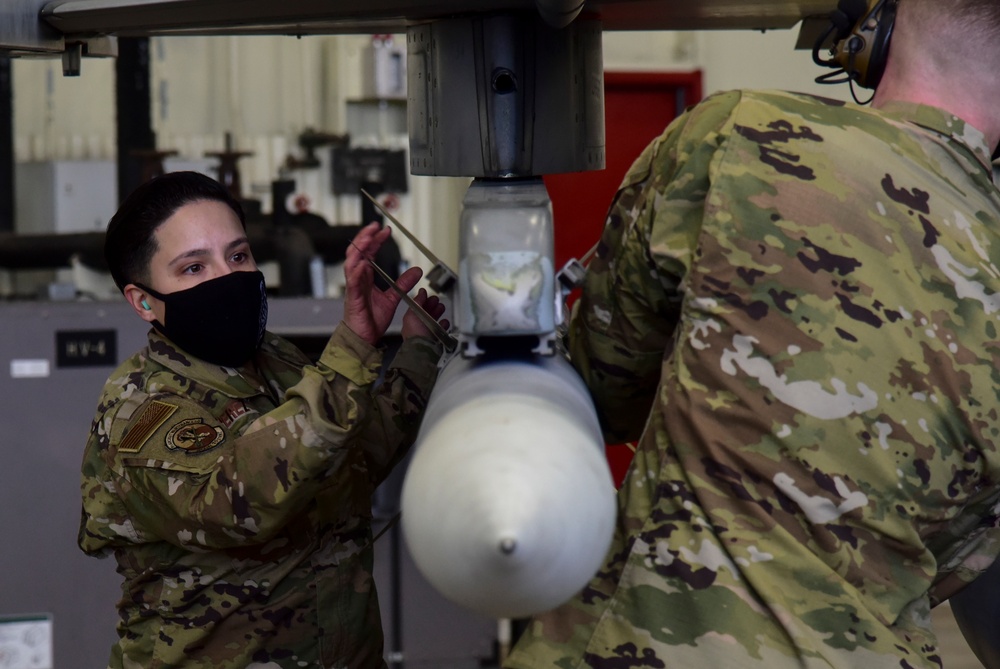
508, 503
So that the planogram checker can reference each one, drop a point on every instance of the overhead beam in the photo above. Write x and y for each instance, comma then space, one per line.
302, 17
22, 30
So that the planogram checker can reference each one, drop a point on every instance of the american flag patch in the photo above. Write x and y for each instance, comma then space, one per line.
145, 425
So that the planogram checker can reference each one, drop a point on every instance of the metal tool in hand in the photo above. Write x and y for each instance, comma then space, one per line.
449, 342
441, 277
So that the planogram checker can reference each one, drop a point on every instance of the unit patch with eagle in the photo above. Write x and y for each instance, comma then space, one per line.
193, 435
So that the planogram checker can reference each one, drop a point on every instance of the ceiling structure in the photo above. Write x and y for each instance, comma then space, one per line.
301, 17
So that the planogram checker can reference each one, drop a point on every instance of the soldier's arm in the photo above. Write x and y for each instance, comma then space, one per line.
624, 323
617, 337
181, 485
398, 405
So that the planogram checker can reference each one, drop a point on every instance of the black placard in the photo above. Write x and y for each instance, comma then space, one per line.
353, 167
86, 348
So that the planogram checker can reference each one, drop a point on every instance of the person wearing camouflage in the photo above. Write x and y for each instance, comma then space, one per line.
235, 495
795, 308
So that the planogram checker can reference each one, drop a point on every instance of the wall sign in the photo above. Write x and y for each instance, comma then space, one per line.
86, 348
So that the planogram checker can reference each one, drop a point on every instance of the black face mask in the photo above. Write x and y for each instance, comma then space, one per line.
221, 321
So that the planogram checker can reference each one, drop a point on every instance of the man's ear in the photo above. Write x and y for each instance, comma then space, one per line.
142, 302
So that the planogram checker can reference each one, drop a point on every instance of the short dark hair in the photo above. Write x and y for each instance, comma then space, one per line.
129, 243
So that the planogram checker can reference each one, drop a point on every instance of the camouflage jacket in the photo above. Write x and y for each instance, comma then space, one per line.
237, 503
796, 303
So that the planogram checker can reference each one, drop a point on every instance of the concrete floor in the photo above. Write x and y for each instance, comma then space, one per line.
955, 652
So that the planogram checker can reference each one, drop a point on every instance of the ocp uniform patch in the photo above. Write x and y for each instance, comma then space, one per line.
138, 433
234, 411
194, 435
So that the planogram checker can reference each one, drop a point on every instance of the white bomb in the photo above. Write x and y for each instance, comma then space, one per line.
508, 504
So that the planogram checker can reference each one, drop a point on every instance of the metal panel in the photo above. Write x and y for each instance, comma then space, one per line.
46, 415
504, 96
21, 29
296, 17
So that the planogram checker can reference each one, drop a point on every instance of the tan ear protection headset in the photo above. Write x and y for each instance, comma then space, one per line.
861, 31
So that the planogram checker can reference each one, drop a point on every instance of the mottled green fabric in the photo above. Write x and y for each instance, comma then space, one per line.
237, 503
795, 303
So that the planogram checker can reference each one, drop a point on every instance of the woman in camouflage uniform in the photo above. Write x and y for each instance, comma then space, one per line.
230, 478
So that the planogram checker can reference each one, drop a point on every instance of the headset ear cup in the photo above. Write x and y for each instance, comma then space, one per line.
880, 46
863, 53
847, 15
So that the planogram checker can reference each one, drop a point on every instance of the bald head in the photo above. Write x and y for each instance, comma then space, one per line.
976, 15
960, 35
946, 53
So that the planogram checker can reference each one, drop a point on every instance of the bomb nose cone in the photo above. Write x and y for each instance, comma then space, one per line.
508, 546
508, 504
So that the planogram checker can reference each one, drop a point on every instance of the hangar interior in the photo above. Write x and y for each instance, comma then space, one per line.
296, 105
